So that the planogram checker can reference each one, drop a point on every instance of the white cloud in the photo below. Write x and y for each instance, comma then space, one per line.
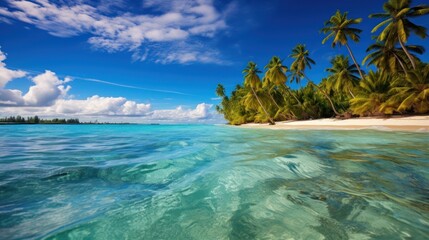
186, 53
7, 96
176, 22
7, 75
47, 89
117, 109
48, 97
96, 105
202, 111
11, 97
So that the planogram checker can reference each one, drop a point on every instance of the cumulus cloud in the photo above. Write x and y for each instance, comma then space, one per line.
47, 89
117, 109
175, 22
7, 75
48, 97
7, 96
202, 111
96, 105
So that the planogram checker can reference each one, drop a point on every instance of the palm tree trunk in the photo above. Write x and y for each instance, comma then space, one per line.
277, 105
354, 60
400, 63
291, 93
260, 104
272, 98
408, 54
351, 93
324, 93
299, 102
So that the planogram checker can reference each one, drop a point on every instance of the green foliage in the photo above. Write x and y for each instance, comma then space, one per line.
410, 93
399, 85
396, 21
387, 57
372, 95
339, 28
36, 120
397, 24
342, 75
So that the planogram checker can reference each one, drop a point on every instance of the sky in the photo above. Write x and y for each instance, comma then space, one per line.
155, 60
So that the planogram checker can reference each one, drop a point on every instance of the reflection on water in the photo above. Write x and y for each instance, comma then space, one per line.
211, 182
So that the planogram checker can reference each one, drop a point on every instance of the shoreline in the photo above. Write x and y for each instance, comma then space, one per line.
413, 123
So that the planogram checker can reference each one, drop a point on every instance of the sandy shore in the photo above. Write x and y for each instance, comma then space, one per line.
415, 123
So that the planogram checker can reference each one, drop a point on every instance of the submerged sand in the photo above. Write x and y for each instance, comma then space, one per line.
414, 123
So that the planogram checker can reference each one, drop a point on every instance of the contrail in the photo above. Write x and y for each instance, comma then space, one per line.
116, 84
126, 86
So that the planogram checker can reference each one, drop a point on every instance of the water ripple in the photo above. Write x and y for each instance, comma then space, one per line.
211, 182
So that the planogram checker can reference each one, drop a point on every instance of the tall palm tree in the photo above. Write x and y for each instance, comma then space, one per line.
252, 80
270, 88
342, 75
396, 19
338, 27
302, 61
276, 73
220, 92
387, 57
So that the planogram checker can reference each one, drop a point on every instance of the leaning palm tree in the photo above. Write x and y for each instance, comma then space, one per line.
396, 19
342, 76
220, 90
271, 89
302, 61
338, 28
412, 92
252, 80
387, 57
276, 74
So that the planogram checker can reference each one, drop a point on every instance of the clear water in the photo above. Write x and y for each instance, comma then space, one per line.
211, 182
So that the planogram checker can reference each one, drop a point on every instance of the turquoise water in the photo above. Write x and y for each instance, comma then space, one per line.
211, 182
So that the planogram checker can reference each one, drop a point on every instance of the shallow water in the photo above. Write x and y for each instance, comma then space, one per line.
211, 182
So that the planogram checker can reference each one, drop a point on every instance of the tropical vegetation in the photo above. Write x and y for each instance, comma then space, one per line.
36, 120
396, 81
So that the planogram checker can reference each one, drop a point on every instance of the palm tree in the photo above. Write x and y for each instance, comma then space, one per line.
342, 76
412, 92
220, 90
386, 56
314, 101
396, 19
276, 74
373, 94
252, 80
234, 110
302, 61
338, 27
270, 88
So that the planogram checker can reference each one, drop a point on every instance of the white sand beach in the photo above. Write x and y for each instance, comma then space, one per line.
414, 123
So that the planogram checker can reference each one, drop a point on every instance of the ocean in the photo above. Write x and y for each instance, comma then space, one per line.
211, 182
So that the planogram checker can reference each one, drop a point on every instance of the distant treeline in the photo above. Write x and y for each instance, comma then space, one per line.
37, 120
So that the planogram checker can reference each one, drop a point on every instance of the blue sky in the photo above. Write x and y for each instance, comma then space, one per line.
170, 54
